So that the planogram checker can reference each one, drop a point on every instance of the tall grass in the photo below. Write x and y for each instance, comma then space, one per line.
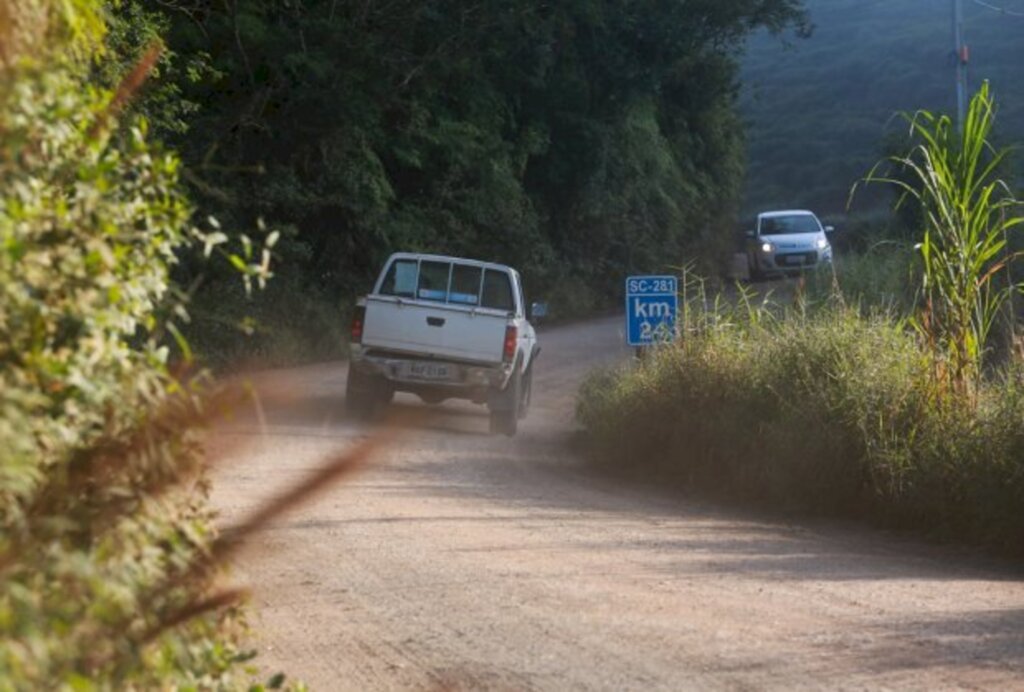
817, 409
968, 212
884, 276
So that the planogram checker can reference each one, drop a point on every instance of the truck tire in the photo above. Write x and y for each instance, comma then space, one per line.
357, 393
365, 394
526, 393
505, 406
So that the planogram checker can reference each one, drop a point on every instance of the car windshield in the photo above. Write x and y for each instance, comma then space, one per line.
785, 225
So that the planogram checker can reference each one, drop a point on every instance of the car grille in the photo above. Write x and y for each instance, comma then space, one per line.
796, 259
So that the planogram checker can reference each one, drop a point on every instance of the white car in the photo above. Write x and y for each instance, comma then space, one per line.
787, 242
444, 327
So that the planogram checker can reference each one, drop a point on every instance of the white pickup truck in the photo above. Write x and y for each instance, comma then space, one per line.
444, 327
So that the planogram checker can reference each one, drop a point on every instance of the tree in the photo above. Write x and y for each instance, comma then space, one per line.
582, 139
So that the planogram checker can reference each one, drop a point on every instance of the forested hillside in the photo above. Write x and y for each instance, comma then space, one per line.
577, 140
817, 109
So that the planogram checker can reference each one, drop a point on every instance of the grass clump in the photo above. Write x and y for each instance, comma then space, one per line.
825, 411
884, 276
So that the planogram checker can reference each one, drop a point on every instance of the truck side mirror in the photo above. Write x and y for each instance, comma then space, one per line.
749, 233
830, 229
538, 311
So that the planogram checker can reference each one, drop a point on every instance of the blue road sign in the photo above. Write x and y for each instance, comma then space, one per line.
651, 306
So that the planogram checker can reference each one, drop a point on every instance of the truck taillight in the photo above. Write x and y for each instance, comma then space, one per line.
358, 318
509, 349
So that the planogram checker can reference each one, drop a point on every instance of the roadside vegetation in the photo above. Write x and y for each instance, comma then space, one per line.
855, 399
109, 567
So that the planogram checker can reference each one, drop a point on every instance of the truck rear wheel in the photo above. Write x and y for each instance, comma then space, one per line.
505, 407
526, 395
365, 394
357, 393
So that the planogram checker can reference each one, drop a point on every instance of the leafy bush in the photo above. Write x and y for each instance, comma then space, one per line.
287, 323
824, 411
104, 531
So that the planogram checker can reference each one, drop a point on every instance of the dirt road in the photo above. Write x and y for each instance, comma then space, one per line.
463, 561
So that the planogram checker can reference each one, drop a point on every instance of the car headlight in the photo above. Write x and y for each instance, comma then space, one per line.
767, 248
822, 243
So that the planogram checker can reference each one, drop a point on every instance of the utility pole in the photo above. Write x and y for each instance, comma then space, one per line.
961, 55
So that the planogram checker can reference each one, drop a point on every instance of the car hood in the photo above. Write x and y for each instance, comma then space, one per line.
794, 242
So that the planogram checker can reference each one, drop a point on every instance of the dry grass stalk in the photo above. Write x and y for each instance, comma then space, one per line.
337, 467
128, 87
219, 600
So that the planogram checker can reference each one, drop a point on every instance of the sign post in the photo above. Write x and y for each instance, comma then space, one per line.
651, 306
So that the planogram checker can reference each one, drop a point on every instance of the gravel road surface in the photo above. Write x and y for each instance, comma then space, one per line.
458, 560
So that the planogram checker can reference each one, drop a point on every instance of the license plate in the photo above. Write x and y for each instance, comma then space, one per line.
795, 259
428, 371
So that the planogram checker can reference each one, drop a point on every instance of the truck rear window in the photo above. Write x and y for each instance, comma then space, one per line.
401, 279
434, 281
497, 291
447, 282
465, 285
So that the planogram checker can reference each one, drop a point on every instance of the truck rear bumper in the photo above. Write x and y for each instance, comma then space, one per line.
413, 374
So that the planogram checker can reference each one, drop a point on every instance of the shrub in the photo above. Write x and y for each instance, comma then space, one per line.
287, 323
825, 411
102, 497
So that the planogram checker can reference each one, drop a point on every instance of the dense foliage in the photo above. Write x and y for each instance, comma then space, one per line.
827, 411
820, 110
577, 140
102, 498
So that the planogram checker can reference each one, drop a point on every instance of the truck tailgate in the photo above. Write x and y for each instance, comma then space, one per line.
425, 330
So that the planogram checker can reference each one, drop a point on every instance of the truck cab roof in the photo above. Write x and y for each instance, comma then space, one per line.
448, 258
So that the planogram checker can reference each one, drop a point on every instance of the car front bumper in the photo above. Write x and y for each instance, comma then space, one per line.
791, 260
